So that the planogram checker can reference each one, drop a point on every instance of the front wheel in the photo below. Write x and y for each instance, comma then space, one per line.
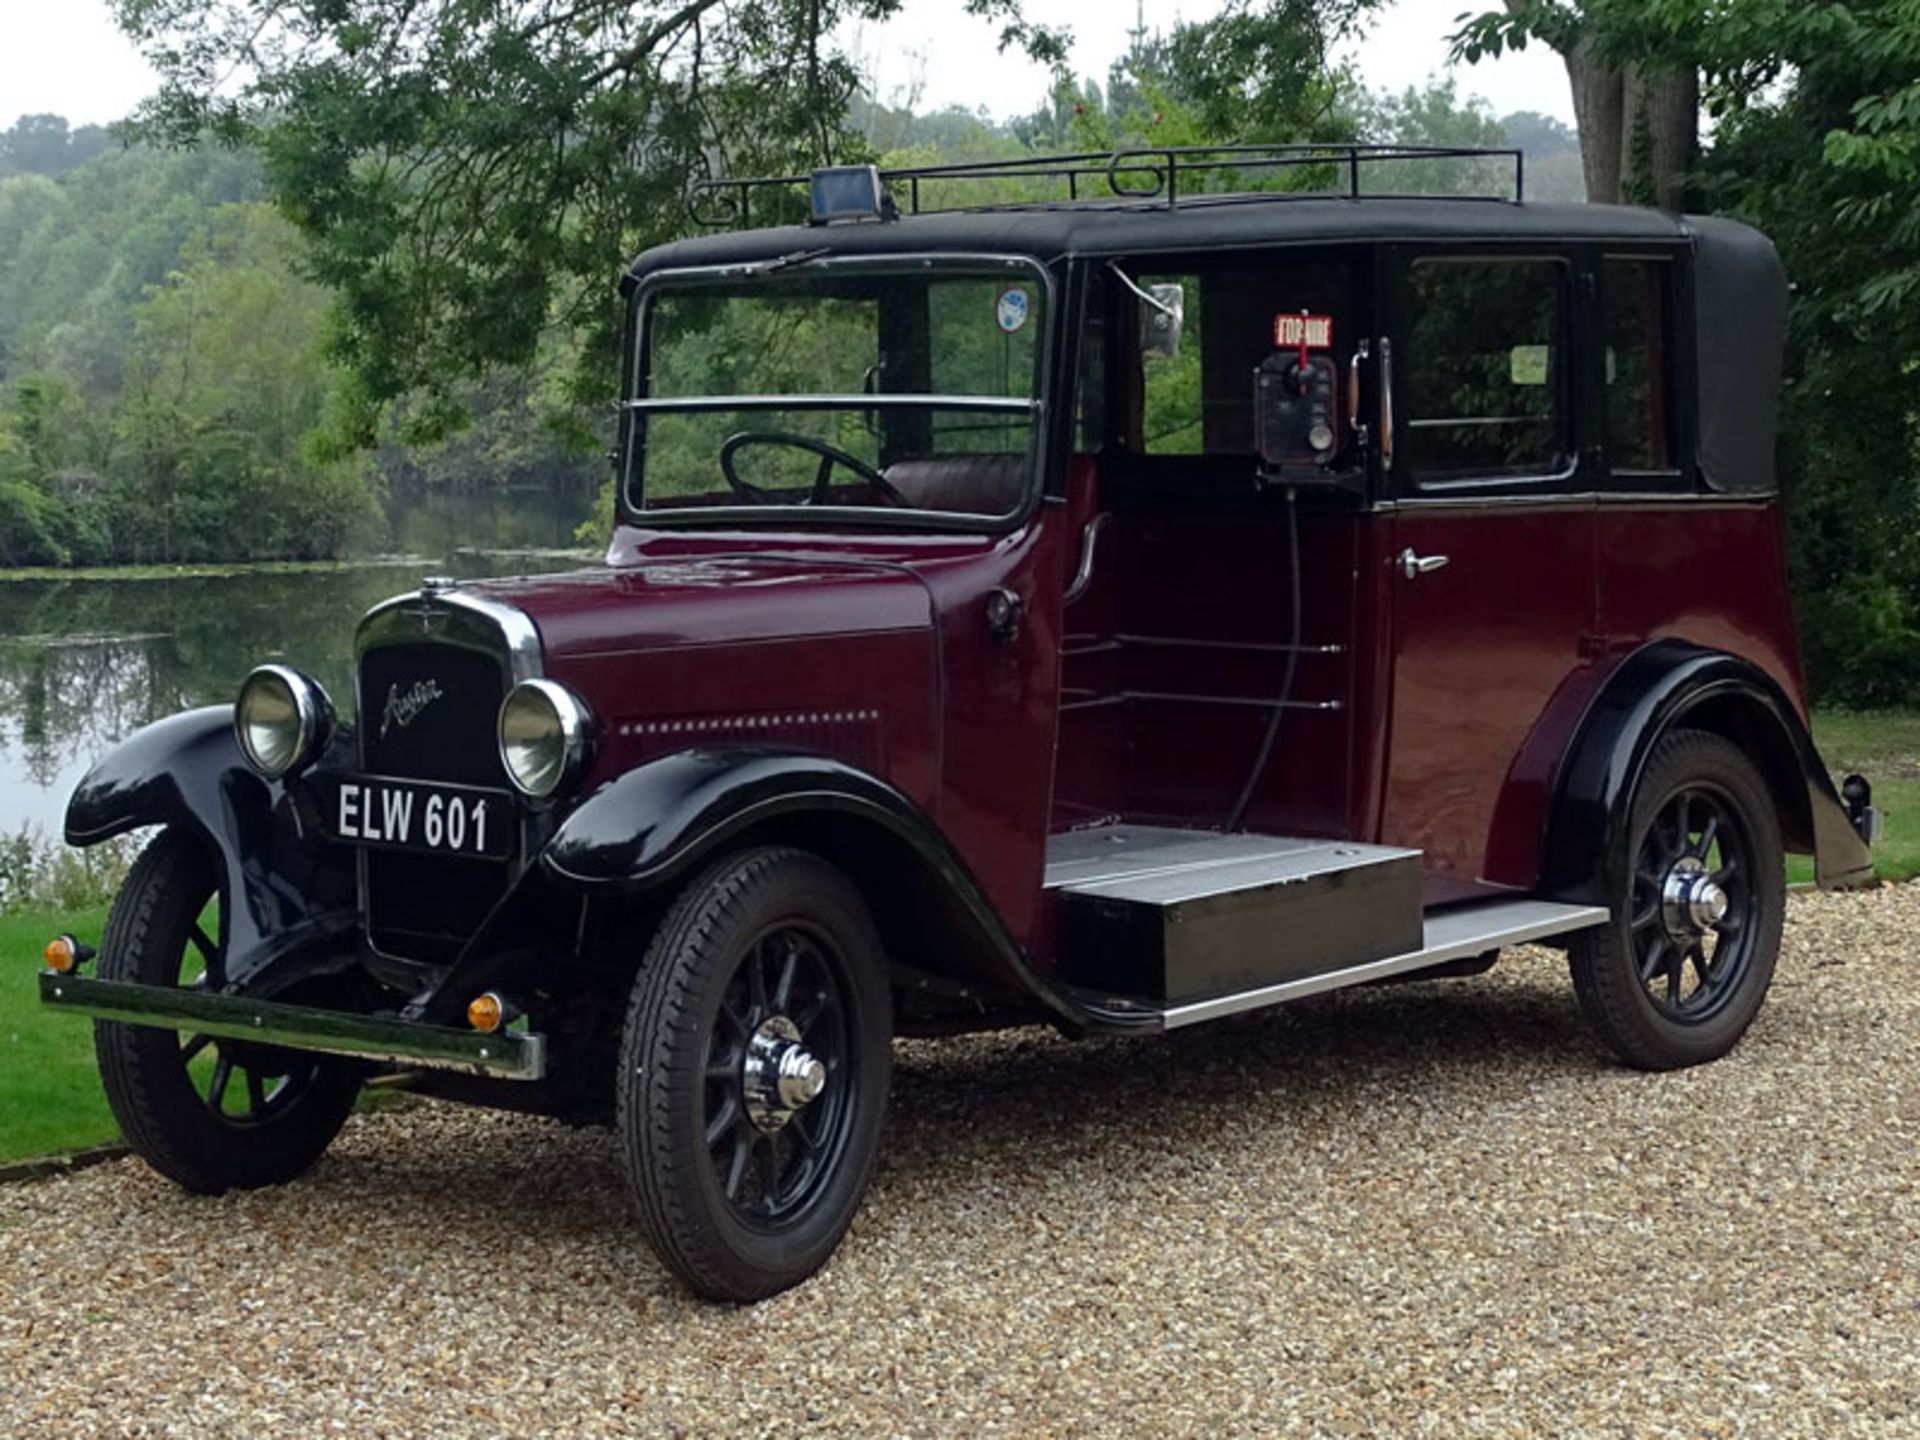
210, 1114
753, 1072
1680, 971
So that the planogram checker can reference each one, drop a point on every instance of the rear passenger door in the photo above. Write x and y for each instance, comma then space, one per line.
1488, 539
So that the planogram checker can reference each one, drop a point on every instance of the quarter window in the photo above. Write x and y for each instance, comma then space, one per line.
1639, 377
1486, 369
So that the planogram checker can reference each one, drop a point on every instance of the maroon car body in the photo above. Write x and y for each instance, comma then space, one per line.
1126, 685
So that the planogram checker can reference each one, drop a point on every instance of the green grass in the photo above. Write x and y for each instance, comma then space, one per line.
1884, 746
50, 1098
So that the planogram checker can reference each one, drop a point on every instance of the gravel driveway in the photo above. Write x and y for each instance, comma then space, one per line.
1425, 1210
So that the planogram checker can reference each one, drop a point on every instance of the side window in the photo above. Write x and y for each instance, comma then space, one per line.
1485, 369
1635, 309
1196, 397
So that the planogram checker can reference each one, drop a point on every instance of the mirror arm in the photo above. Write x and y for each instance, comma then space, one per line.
1146, 299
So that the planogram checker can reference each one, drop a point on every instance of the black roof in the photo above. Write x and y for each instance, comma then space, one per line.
1099, 228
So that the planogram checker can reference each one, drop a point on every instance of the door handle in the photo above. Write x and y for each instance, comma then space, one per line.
1414, 566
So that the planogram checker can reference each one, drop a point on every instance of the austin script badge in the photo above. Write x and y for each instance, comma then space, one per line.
404, 706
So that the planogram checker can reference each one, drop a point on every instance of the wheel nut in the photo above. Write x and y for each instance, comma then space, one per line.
801, 1078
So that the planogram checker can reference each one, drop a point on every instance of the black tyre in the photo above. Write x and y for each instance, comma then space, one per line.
209, 1114
753, 1072
1681, 970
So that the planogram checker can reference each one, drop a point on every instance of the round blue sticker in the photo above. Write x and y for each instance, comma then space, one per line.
1013, 309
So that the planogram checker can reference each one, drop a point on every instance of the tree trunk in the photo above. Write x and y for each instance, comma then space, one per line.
1661, 129
1599, 114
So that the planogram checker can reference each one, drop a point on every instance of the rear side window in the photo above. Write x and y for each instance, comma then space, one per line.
1485, 370
1639, 365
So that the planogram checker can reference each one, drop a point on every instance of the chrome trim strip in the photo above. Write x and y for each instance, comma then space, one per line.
702, 404
1176, 697
501, 629
1450, 935
1251, 647
1577, 499
502, 1055
1121, 697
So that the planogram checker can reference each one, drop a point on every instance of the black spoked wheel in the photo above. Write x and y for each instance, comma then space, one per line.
774, 1118
1682, 969
754, 1074
211, 1114
1693, 903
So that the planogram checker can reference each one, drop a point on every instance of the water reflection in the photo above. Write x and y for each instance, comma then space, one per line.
83, 663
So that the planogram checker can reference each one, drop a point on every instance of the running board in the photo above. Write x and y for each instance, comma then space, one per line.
1452, 934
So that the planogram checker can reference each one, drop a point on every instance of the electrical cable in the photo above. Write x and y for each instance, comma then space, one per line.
1239, 811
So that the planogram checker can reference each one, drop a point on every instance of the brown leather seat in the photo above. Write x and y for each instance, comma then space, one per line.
961, 484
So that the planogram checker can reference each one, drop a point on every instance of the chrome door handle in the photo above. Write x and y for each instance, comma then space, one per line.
1414, 566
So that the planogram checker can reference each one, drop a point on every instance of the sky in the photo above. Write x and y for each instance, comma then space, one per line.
66, 57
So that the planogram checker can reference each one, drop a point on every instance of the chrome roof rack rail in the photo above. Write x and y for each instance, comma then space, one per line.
1166, 176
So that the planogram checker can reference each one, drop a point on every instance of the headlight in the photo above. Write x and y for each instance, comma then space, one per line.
282, 720
544, 731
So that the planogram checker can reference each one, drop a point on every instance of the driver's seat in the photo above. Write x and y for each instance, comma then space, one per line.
961, 484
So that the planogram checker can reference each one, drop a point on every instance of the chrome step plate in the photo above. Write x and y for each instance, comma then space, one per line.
1452, 934
1162, 864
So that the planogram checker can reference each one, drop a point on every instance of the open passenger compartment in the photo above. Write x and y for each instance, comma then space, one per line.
1223, 547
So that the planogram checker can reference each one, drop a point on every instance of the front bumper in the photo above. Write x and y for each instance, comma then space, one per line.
503, 1055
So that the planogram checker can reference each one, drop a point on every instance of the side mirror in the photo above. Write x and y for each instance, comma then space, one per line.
1163, 314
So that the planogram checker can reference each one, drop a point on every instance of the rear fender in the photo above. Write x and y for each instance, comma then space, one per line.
284, 891
1668, 684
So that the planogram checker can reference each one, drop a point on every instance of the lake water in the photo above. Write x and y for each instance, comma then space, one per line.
84, 663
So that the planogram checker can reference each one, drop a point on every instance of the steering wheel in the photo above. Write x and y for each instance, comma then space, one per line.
830, 456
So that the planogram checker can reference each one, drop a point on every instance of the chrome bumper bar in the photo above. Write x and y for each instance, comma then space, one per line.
504, 1055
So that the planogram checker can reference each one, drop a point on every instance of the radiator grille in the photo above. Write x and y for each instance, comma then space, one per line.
428, 712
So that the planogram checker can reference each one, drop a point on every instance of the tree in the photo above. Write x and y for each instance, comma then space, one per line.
1434, 115
225, 393
1638, 108
45, 145
1262, 71
470, 172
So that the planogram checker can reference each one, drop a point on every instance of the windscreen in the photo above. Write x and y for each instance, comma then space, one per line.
844, 389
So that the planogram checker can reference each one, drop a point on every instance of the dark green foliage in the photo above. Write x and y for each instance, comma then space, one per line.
469, 173
165, 394
45, 145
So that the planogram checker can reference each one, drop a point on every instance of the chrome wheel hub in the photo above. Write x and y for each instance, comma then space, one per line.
1690, 901
779, 1076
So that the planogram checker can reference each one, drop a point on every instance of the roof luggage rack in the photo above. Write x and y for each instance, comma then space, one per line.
1140, 176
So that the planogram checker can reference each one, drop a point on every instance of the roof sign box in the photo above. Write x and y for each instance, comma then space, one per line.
847, 192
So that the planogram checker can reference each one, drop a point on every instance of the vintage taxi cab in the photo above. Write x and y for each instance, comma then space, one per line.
1115, 610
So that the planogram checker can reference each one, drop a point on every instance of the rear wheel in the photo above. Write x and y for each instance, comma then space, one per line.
753, 1077
209, 1114
1681, 970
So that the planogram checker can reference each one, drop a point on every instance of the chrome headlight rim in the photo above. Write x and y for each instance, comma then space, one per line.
572, 730
311, 716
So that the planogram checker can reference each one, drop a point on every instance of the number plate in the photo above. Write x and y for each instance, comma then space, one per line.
409, 815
